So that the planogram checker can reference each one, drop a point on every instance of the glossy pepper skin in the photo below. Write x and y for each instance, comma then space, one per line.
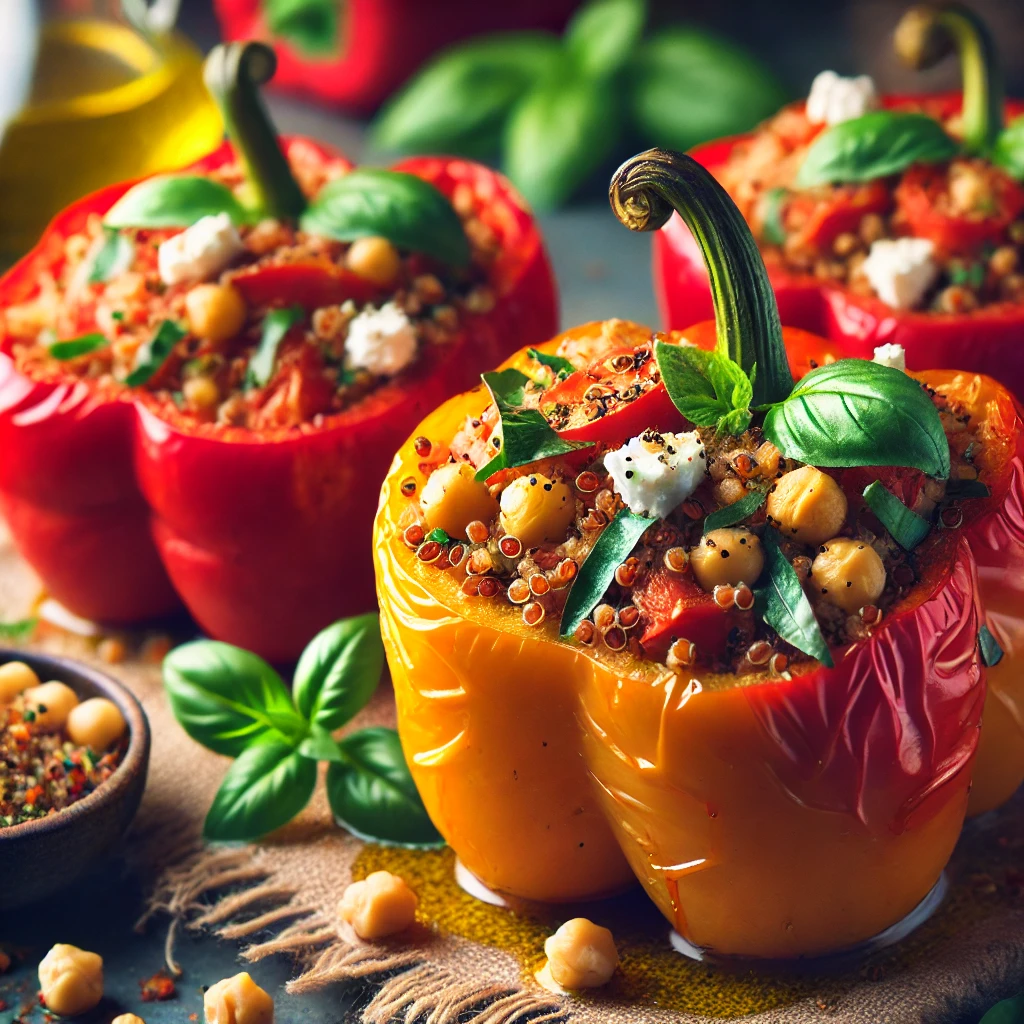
264, 537
984, 341
778, 818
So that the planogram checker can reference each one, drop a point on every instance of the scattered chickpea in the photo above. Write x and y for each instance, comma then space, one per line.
969, 188
52, 703
379, 905
848, 573
808, 505
845, 243
71, 980
956, 299
536, 509
237, 1000
201, 393
15, 677
216, 312
730, 555
374, 258
96, 723
1003, 261
871, 228
127, 1018
452, 499
581, 954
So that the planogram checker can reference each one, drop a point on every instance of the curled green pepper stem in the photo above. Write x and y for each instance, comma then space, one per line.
929, 32
643, 193
233, 73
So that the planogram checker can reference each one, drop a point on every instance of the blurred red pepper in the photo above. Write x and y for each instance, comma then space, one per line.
265, 539
376, 44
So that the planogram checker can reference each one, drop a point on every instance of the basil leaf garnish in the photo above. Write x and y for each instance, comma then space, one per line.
611, 549
908, 529
854, 412
153, 354
876, 145
736, 512
174, 201
708, 388
603, 33
1008, 151
438, 536
22, 629
113, 257
786, 608
408, 211
320, 745
311, 25
991, 652
276, 325
372, 793
525, 435
772, 228
561, 366
967, 489
339, 671
268, 784
81, 346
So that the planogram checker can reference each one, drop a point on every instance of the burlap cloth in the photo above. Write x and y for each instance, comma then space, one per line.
472, 962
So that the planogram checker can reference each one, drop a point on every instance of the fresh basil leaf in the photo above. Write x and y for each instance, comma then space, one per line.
1008, 151
967, 489
559, 134
268, 784
596, 573
734, 422
174, 201
772, 228
339, 671
310, 25
372, 793
604, 33
855, 412
320, 745
735, 513
908, 529
709, 389
22, 629
991, 652
408, 211
687, 86
75, 347
1009, 1011
276, 325
153, 354
786, 608
113, 257
561, 366
875, 145
973, 274
507, 387
438, 536
226, 698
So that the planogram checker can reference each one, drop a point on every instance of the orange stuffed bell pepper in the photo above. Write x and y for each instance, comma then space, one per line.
206, 413
744, 644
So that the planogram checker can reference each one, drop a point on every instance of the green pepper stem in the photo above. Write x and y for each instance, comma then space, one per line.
929, 32
233, 73
643, 193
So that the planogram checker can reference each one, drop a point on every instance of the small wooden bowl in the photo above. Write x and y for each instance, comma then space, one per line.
37, 858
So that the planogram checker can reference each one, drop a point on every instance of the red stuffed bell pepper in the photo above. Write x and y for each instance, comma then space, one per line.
206, 414
954, 297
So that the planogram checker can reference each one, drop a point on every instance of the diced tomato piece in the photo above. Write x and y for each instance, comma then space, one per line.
311, 285
817, 222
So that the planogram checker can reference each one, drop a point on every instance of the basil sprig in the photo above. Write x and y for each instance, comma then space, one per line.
525, 435
991, 651
1008, 151
406, 210
175, 201
908, 529
309, 25
276, 325
708, 388
559, 365
114, 256
735, 513
875, 145
154, 353
20, 629
234, 703
73, 348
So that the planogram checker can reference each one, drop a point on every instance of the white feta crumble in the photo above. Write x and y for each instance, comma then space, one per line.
833, 98
891, 355
199, 252
901, 270
382, 341
653, 473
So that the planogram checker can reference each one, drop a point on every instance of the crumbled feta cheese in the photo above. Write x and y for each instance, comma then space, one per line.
891, 355
199, 252
653, 473
382, 341
901, 270
833, 98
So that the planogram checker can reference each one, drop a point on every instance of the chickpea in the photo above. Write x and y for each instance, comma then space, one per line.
581, 954
71, 980
201, 393
52, 703
237, 1000
730, 555
535, 509
15, 677
381, 904
127, 1018
96, 723
808, 505
216, 312
374, 258
452, 499
848, 573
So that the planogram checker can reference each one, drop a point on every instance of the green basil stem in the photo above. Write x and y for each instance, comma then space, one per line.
929, 32
643, 193
233, 73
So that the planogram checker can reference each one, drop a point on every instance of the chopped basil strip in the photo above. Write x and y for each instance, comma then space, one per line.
438, 535
908, 529
113, 257
19, 630
174, 201
76, 347
773, 229
152, 356
967, 489
786, 608
736, 512
708, 388
991, 652
276, 325
612, 548
559, 365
